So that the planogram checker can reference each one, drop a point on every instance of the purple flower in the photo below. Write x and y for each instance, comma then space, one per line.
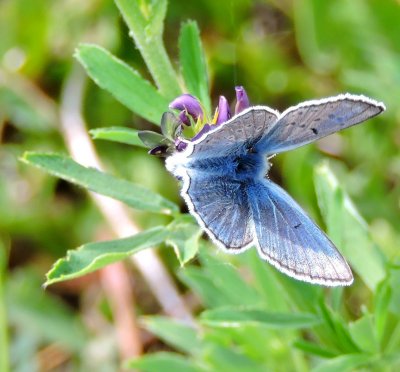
242, 101
223, 111
189, 107
206, 128
190, 112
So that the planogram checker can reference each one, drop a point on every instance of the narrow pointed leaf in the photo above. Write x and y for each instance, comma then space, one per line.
93, 256
364, 334
135, 196
314, 349
343, 363
194, 68
118, 134
124, 83
235, 317
175, 333
347, 229
4, 358
151, 139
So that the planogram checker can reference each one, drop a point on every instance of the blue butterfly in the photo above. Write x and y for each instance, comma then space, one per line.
227, 191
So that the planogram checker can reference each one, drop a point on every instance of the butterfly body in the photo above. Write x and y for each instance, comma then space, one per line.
226, 189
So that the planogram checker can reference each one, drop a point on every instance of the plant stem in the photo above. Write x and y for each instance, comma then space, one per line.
145, 22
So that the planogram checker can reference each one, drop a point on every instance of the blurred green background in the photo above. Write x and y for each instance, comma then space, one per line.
282, 52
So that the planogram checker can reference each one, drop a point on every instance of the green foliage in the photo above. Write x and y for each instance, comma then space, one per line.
135, 196
146, 23
115, 76
4, 362
193, 64
93, 256
118, 134
45, 315
248, 315
347, 229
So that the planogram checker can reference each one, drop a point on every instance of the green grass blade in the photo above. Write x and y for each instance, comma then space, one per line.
347, 229
4, 349
193, 64
124, 83
235, 317
314, 349
363, 333
135, 196
203, 285
176, 334
118, 134
382, 300
228, 280
343, 363
93, 256
146, 22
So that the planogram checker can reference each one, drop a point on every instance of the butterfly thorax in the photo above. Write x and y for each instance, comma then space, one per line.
241, 166
250, 166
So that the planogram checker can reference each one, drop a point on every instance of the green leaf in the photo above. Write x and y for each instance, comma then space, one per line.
203, 286
236, 317
176, 334
336, 330
118, 134
170, 126
363, 333
222, 273
231, 359
314, 349
146, 22
266, 283
124, 83
193, 63
39, 313
343, 363
382, 300
184, 238
4, 344
135, 196
26, 114
347, 229
163, 361
151, 139
93, 256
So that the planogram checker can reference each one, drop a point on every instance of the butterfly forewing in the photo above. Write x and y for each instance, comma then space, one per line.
227, 138
312, 120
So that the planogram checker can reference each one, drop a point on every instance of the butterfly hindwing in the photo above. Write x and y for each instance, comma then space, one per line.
312, 120
222, 209
288, 239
